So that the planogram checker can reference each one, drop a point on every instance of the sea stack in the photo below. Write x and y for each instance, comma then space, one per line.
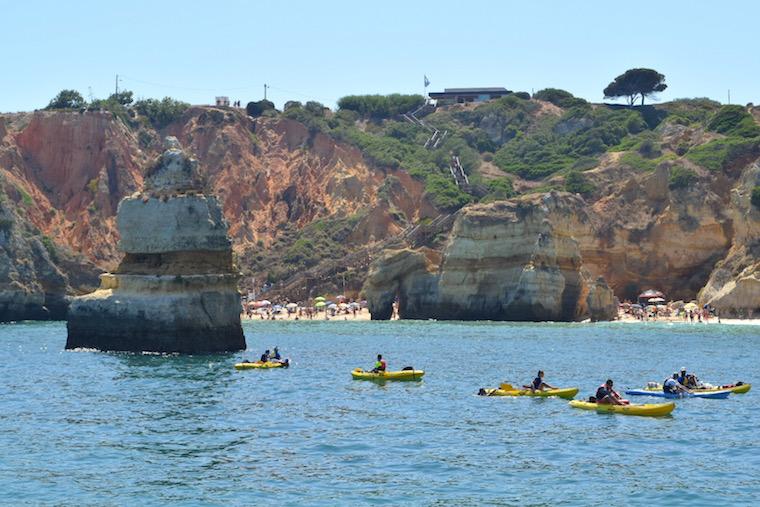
175, 290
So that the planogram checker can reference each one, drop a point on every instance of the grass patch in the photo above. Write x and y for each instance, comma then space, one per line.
681, 177
719, 154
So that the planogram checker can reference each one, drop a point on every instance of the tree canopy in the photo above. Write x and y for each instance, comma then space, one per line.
378, 107
635, 83
256, 109
67, 99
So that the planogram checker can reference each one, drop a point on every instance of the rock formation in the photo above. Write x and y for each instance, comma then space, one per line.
509, 260
734, 284
175, 289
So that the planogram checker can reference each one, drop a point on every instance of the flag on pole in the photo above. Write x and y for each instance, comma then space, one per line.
427, 81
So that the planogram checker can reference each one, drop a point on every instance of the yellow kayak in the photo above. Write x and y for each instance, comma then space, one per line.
259, 364
649, 409
360, 374
567, 393
735, 388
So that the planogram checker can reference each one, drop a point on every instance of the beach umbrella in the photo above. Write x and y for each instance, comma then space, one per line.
342, 306
353, 304
340, 298
656, 300
319, 299
690, 306
332, 306
277, 307
651, 293
291, 305
319, 304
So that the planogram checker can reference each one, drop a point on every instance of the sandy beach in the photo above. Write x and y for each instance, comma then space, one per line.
624, 318
320, 317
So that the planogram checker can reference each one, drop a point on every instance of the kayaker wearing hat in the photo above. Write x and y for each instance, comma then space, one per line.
606, 394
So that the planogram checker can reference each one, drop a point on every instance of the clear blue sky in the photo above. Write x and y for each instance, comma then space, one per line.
322, 50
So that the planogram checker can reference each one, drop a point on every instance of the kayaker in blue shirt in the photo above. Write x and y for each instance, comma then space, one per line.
538, 383
265, 357
276, 356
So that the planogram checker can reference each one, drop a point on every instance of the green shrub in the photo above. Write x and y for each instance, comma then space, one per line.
161, 113
378, 107
256, 109
681, 177
690, 111
500, 189
755, 199
576, 183
67, 99
733, 120
522, 95
637, 162
49, 245
558, 97
444, 193
720, 154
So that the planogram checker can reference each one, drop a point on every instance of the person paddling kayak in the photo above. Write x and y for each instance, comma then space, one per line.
265, 357
538, 383
605, 394
673, 386
380, 364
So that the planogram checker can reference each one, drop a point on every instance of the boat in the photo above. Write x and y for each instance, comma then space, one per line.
738, 388
649, 409
567, 393
410, 374
713, 395
245, 365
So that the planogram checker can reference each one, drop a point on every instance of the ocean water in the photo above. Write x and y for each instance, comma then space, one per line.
90, 428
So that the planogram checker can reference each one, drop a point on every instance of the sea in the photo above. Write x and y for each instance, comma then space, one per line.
92, 428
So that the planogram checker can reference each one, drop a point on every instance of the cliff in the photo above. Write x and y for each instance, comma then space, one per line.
313, 197
64, 173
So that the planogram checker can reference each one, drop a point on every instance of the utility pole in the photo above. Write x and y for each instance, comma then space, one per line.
265, 91
729, 95
89, 93
117, 84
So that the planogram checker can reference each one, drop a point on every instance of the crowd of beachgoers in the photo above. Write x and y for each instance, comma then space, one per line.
319, 308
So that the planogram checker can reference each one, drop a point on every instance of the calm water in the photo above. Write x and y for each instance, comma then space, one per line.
91, 428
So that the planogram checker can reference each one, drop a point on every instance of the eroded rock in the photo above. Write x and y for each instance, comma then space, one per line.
510, 260
175, 290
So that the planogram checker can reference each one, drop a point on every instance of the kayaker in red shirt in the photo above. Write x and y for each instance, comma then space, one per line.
605, 394
380, 365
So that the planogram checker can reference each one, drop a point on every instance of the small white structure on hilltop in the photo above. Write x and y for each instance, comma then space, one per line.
223, 101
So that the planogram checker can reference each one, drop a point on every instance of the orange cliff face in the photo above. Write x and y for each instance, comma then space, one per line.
69, 170
269, 172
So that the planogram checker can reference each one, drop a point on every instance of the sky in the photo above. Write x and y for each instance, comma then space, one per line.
323, 50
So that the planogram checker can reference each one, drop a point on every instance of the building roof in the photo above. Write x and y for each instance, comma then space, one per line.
497, 89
